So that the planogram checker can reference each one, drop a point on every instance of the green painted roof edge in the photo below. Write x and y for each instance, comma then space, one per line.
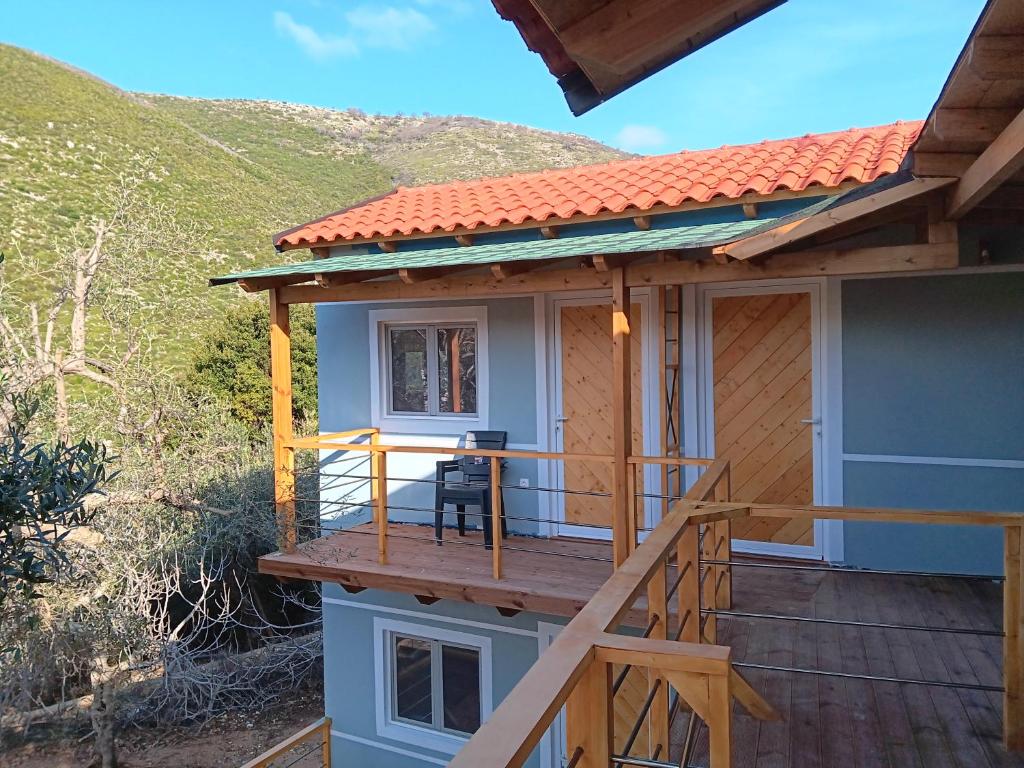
639, 241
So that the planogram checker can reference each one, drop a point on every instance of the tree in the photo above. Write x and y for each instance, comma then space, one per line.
232, 364
43, 494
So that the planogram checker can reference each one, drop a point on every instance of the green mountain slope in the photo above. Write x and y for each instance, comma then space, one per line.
240, 170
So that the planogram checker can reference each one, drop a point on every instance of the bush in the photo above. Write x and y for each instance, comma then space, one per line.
232, 364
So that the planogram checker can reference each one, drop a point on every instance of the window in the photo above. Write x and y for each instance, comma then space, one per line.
428, 371
433, 685
432, 369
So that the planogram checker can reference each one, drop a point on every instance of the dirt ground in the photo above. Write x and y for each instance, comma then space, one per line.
225, 742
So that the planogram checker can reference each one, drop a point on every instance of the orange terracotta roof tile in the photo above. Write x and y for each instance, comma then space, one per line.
825, 160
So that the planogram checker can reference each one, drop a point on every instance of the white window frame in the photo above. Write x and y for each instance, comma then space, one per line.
433, 424
388, 725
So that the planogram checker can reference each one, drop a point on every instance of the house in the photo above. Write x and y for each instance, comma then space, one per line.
747, 392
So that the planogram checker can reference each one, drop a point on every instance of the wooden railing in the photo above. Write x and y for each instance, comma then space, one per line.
308, 748
630, 502
577, 670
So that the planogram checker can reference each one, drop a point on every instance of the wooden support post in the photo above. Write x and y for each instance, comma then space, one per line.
496, 516
719, 721
723, 546
374, 483
631, 492
657, 605
688, 591
325, 743
281, 409
1013, 642
380, 471
622, 423
709, 591
588, 720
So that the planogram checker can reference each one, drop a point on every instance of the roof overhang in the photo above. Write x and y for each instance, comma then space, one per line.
975, 131
599, 48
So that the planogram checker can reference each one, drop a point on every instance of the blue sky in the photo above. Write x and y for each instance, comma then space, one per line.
809, 66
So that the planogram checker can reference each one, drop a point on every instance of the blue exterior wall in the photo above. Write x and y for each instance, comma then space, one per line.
932, 367
343, 333
349, 667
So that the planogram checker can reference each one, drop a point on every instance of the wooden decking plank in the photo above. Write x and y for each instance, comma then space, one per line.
805, 725
928, 734
949, 709
836, 731
869, 747
892, 707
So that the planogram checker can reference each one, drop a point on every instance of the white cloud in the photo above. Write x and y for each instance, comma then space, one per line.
367, 27
315, 45
641, 138
395, 28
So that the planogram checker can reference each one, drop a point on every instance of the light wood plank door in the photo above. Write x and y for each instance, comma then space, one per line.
586, 407
763, 399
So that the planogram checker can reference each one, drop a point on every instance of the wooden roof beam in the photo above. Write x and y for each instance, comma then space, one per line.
972, 125
254, 284
410, 276
773, 239
942, 163
333, 279
606, 263
1003, 158
997, 57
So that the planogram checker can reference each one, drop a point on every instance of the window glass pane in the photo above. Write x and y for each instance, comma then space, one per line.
412, 679
456, 369
460, 673
408, 370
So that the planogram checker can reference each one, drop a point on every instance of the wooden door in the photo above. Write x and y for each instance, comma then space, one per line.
586, 370
763, 390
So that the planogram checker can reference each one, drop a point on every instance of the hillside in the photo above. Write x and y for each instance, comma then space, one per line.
240, 170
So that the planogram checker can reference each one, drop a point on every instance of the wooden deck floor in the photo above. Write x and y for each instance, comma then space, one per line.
828, 722
836, 722
553, 576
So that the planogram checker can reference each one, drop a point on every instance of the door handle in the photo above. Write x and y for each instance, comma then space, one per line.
810, 421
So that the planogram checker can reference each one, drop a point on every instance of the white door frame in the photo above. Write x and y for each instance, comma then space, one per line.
648, 301
826, 375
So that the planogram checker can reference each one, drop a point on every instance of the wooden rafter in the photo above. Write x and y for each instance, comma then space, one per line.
791, 232
1003, 158
970, 125
605, 263
996, 57
255, 284
423, 274
335, 279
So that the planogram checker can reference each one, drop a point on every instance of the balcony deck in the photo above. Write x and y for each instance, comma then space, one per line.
553, 576
836, 722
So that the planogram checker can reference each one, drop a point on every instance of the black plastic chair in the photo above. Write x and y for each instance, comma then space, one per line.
472, 488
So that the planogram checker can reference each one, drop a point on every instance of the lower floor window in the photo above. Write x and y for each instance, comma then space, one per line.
434, 684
